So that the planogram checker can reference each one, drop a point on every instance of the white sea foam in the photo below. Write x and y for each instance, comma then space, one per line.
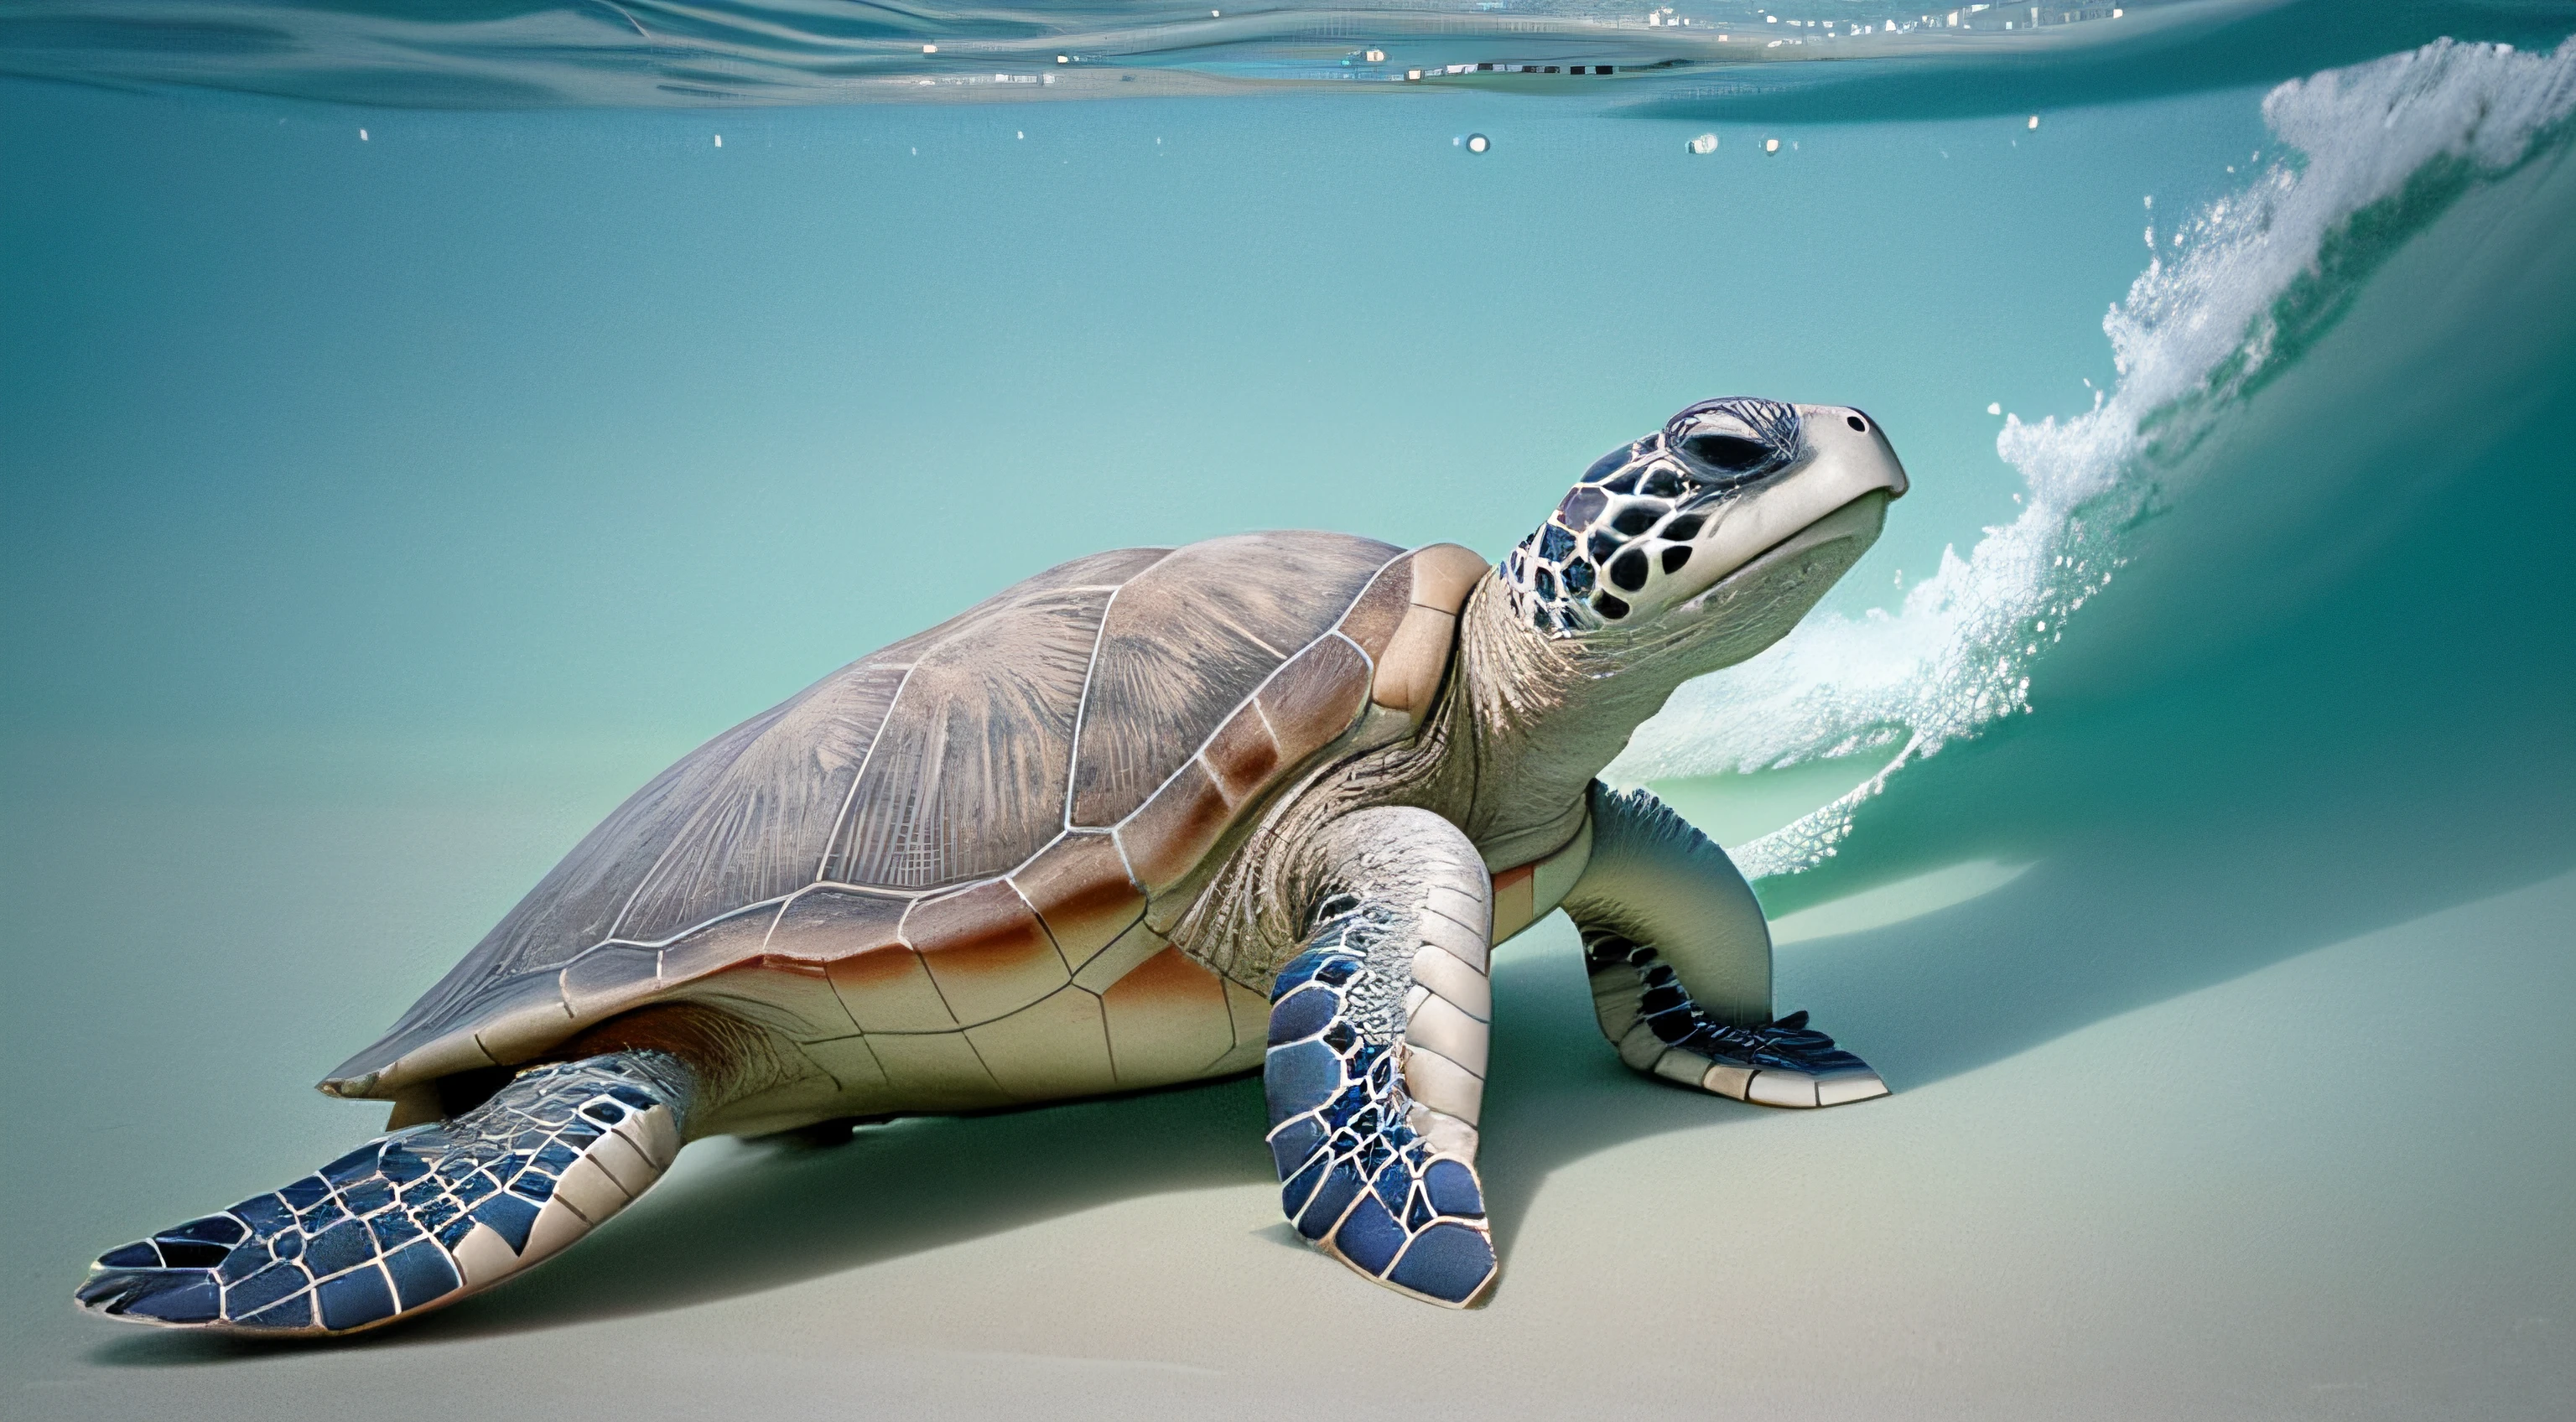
2218, 307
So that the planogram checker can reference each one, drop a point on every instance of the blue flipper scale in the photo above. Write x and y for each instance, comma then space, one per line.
1358, 1179
415, 1219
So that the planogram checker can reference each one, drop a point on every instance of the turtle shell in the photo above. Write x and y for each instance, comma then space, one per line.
950, 829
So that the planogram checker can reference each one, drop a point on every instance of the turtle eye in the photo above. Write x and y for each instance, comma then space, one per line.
1734, 440
1726, 453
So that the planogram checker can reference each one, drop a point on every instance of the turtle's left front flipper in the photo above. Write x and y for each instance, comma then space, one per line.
1680, 960
1376, 1065
417, 1219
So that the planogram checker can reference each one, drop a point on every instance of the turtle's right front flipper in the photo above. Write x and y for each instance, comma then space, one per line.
1375, 1069
419, 1218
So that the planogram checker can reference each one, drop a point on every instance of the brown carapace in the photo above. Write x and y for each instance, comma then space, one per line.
942, 859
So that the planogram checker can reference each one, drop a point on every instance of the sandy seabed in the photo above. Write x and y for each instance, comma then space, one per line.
2305, 1190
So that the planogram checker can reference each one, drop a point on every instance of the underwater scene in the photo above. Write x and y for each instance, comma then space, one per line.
420, 424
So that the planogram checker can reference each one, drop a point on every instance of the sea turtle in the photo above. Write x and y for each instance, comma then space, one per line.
1150, 816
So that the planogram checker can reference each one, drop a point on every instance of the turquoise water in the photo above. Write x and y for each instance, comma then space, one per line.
410, 444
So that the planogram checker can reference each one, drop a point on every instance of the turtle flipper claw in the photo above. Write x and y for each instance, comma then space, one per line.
159, 1280
294, 1261
1780, 1063
1660, 1031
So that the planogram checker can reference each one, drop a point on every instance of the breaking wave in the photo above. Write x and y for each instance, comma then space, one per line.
2233, 296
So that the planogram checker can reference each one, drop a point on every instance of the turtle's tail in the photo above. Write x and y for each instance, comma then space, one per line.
419, 1218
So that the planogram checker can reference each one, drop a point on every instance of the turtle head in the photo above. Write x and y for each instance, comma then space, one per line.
1712, 535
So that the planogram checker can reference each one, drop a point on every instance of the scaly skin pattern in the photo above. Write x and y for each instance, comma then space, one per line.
1375, 1072
417, 1219
1358, 1179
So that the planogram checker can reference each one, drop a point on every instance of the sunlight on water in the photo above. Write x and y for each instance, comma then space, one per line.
664, 52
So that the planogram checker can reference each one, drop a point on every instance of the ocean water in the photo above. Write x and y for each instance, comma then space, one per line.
420, 424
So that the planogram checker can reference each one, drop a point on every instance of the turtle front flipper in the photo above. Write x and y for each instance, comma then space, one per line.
416, 1219
1376, 1062
1680, 960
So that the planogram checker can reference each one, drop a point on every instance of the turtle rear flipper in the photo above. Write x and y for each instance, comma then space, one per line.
416, 1219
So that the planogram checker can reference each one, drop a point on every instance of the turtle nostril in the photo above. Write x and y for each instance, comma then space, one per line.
1856, 422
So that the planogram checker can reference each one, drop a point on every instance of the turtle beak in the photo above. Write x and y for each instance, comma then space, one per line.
1841, 431
1844, 462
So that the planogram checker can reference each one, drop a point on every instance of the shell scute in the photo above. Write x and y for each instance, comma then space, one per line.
1375, 614
1186, 639
824, 924
888, 989
967, 779
608, 978
1113, 963
1443, 575
1081, 892
986, 950
1412, 657
1316, 697
579, 901
1056, 1046
1167, 1020
527, 1016
725, 943
1242, 755
1104, 571
1167, 838
735, 848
